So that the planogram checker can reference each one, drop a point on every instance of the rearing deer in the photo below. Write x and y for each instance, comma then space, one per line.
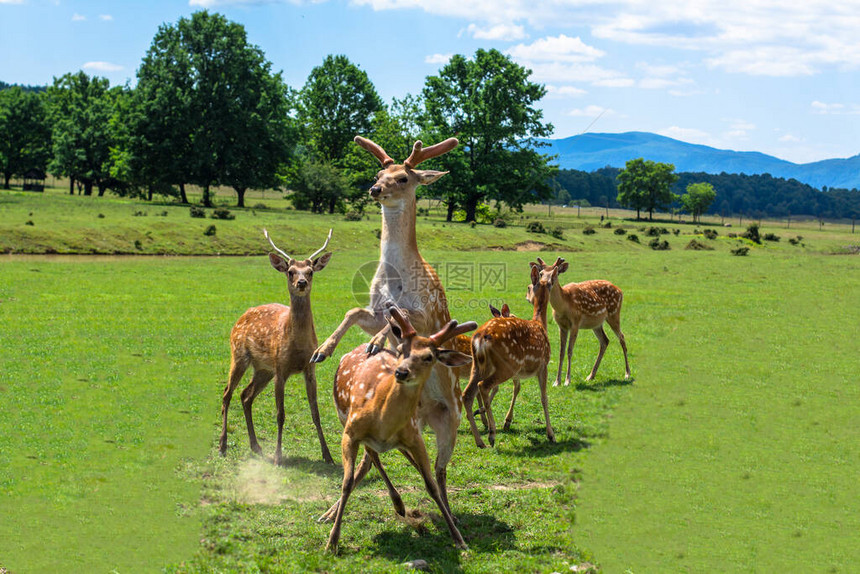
377, 400
585, 305
277, 341
405, 278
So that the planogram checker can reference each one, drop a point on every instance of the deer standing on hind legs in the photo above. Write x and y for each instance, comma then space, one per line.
511, 348
585, 305
405, 278
377, 400
278, 342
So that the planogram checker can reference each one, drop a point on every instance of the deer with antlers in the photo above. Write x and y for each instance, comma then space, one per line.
377, 398
506, 348
277, 341
405, 278
585, 305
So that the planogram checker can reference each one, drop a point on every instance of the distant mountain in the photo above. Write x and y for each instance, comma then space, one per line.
589, 152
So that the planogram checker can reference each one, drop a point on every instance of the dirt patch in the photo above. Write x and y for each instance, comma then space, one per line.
527, 246
260, 482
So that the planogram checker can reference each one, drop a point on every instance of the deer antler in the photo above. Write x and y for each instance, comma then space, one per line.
406, 328
275, 247
321, 249
420, 153
451, 330
375, 149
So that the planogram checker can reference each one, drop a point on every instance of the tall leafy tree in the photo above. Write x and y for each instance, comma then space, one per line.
211, 111
25, 136
698, 199
80, 109
645, 185
488, 103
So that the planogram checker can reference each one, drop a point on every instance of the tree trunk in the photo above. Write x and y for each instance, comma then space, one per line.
71, 185
452, 206
471, 208
102, 188
332, 202
7, 176
182, 197
88, 187
207, 200
149, 193
240, 192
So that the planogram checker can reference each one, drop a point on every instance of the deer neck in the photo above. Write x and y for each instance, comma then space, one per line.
556, 297
301, 318
541, 299
401, 401
398, 245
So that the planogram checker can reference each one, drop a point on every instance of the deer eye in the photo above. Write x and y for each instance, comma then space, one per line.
428, 358
291, 273
402, 180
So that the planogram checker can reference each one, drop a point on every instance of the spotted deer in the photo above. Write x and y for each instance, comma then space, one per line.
506, 348
277, 341
377, 398
585, 305
405, 278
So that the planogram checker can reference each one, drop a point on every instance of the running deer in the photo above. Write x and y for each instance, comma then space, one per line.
278, 342
585, 305
511, 348
405, 278
377, 399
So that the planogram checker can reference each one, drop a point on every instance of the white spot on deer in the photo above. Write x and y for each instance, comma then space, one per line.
369, 395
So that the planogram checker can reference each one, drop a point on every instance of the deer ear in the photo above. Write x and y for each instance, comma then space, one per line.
535, 275
495, 312
506, 311
395, 329
278, 262
428, 176
453, 358
563, 267
321, 262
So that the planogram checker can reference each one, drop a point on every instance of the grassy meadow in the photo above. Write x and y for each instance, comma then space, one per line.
734, 449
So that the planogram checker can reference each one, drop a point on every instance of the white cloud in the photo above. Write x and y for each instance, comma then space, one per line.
102, 67
824, 109
78, 18
497, 32
564, 91
689, 135
790, 138
438, 58
105, 17
11, 1
591, 111
556, 49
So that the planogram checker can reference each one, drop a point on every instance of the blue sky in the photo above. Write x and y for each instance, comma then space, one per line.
774, 76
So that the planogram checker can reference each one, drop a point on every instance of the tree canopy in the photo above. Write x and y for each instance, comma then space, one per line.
698, 199
25, 136
646, 185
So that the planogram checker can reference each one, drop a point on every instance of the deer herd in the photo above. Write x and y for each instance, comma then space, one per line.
384, 397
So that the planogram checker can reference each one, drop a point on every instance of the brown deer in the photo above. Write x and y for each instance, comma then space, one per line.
377, 399
405, 278
463, 343
585, 305
278, 342
511, 348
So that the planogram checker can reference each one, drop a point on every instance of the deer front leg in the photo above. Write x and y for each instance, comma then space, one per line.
392, 492
280, 383
542, 377
371, 322
469, 393
311, 390
377, 342
562, 335
258, 382
484, 390
349, 449
573, 333
363, 467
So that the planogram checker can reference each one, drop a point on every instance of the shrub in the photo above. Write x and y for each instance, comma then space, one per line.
353, 215
589, 230
557, 232
633, 237
138, 245
260, 206
423, 211
676, 232
656, 231
29, 222
698, 246
740, 251
535, 227
210, 230
607, 225
222, 213
378, 233
500, 223
139, 214
197, 211
771, 237
620, 231
101, 215
732, 235
163, 213
658, 245
472, 224
710, 233
752, 233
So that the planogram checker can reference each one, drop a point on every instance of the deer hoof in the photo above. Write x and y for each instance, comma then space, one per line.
318, 357
372, 349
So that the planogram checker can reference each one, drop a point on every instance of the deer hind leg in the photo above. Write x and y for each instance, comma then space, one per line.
604, 342
280, 383
363, 468
392, 492
469, 393
573, 333
485, 391
259, 382
542, 378
615, 324
349, 450
509, 418
562, 336
237, 371
311, 390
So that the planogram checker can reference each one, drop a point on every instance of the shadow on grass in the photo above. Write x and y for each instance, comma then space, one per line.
540, 446
318, 467
483, 534
592, 386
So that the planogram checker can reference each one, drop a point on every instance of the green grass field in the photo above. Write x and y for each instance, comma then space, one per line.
735, 449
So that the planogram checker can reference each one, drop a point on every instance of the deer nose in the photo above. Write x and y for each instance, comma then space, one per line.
375, 191
302, 283
401, 374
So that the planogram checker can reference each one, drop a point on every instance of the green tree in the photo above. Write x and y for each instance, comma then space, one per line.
317, 186
646, 185
25, 136
80, 110
210, 110
698, 199
488, 102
